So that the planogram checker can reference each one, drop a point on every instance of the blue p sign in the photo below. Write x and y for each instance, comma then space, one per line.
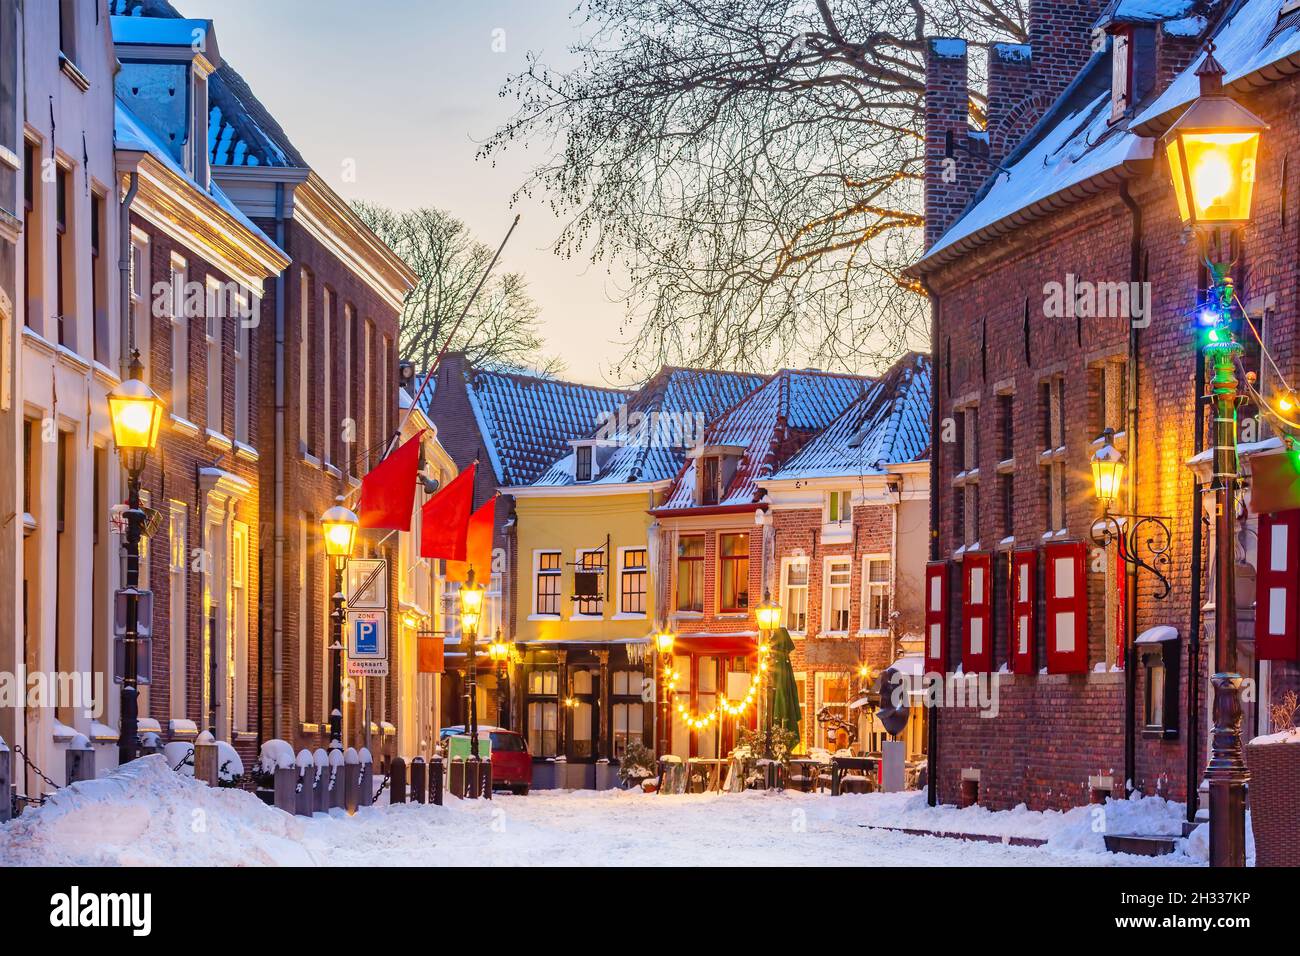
367, 637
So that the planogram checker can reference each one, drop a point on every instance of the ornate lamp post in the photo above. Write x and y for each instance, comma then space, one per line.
136, 414
339, 528
664, 641
1211, 150
768, 616
471, 613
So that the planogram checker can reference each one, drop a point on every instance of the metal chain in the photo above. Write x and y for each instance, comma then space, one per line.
36, 770
184, 760
382, 787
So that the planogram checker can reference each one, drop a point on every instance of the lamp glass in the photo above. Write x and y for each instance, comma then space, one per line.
339, 527
768, 615
664, 641
136, 414
1213, 174
469, 621
1107, 473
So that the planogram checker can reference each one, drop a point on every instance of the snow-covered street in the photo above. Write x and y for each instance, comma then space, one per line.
148, 815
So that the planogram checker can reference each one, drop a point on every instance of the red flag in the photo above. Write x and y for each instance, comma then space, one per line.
388, 489
444, 519
478, 547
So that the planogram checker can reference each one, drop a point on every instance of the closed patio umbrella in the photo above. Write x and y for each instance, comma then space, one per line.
785, 692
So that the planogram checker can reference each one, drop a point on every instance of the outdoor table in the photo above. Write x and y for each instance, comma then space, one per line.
840, 764
713, 767
808, 768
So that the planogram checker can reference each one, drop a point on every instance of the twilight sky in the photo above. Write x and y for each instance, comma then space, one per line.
406, 89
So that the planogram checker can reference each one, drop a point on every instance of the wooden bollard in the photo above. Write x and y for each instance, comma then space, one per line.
456, 778
286, 785
397, 780
473, 778
304, 795
205, 759
80, 760
6, 782
351, 780
435, 781
419, 779
336, 776
320, 801
366, 778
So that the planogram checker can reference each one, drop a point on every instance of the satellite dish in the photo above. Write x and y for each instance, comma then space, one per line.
893, 711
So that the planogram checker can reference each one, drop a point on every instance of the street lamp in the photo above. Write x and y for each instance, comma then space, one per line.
768, 616
471, 613
339, 528
1211, 150
136, 414
664, 641
499, 651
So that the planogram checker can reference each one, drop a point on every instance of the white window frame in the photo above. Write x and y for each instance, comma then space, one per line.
578, 556
240, 602
142, 316
213, 333
248, 308
620, 614
350, 436
178, 591
327, 413
591, 463
304, 352
820, 678
869, 588
847, 586
180, 340
558, 573
840, 500
786, 604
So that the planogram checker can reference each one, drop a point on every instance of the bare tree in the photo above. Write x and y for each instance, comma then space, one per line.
757, 164
501, 329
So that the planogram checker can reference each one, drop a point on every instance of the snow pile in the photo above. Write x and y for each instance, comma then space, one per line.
1291, 736
146, 814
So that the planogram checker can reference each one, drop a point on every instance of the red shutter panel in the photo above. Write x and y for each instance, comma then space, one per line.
977, 636
1277, 584
1022, 646
1067, 608
936, 617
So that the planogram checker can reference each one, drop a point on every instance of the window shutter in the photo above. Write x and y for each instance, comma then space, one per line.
1022, 646
977, 636
1067, 608
1277, 581
936, 617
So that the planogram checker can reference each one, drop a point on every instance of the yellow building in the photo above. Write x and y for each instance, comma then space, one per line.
583, 547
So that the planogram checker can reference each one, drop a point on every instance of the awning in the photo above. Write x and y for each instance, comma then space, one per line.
715, 644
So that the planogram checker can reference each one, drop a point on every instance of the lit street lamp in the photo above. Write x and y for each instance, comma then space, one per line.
136, 414
500, 653
339, 528
471, 613
1211, 150
664, 641
768, 616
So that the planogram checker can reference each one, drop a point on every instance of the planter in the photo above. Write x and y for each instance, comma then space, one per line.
1275, 802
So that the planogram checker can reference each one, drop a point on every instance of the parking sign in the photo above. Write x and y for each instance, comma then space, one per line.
367, 643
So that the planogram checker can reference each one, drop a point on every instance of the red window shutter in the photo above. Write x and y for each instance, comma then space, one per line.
1023, 649
1277, 584
977, 635
936, 617
1066, 608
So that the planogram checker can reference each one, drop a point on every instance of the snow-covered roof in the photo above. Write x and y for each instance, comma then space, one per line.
145, 30
888, 424
527, 422
1145, 11
769, 424
132, 133
653, 429
241, 131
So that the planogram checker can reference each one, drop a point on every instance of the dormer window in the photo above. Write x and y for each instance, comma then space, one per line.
1121, 76
839, 507
582, 463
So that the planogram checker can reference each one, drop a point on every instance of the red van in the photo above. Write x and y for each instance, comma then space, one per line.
512, 764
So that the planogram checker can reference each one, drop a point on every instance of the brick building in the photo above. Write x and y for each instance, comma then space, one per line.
716, 544
196, 279
1043, 336
850, 517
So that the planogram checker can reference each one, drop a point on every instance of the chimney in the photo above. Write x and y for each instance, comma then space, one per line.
1061, 40
952, 171
1012, 107
1177, 44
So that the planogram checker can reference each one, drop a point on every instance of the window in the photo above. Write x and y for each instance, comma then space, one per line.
690, 572
65, 261
632, 582
180, 343
1052, 459
548, 582
239, 611
1121, 75
1111, 397
177, 605
142, 317
876, 592
1007, 424
327, 373
304, 361
733, 573
32, 245
98, 280
839, 507
587, 584
710, 480
794, 594
246, 319
365, 395
543, 715
213, 321
629, 710
833, 696
68, 29
582, 463
970, 491
349, 436
835, 595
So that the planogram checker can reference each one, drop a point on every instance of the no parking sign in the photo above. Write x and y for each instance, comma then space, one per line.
367, 643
